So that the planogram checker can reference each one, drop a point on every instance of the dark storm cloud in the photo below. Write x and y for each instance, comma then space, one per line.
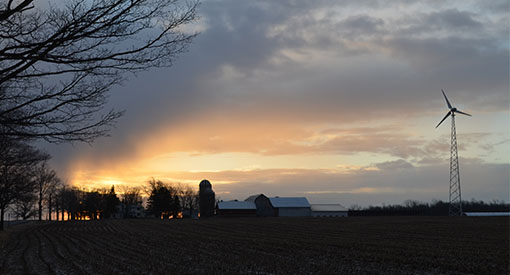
450, 20
239, 35
468, 61
495, 6
362, 24
455, 19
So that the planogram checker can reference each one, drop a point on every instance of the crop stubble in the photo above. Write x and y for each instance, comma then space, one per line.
378, 245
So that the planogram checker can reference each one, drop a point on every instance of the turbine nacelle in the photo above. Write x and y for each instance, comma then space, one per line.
452, 110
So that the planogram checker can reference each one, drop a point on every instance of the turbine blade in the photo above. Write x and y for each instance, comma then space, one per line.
457, 111
446, 116
447, 102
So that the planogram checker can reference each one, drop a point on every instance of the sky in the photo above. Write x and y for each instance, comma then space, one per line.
336, 101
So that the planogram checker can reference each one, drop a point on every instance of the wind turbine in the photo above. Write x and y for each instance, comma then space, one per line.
455, 208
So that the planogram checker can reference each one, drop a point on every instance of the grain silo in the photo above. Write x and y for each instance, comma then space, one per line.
206, 199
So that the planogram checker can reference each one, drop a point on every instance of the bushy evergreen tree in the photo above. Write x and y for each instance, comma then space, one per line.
110, 204
163, 200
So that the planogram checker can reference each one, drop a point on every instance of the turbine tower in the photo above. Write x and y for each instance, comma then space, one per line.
455, 208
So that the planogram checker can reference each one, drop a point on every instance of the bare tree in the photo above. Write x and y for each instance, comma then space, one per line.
45, 181
131, 196
188, 198
52, 197
57, 65
23, 206
69, 201
16, 164
13, 7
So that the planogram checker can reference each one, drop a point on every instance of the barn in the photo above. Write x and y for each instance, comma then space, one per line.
264, 207
236, 208
291, 206
328, 210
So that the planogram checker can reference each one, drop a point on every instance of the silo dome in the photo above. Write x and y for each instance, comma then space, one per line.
205, 184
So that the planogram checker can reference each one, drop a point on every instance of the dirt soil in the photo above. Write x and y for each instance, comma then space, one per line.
354, 245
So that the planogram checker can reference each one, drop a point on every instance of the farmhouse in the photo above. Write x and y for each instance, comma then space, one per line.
129, 211
328, 210
236, 208
291, 206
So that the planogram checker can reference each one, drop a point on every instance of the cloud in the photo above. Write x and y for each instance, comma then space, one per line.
480, 180
326, 78
455, 19
394, 165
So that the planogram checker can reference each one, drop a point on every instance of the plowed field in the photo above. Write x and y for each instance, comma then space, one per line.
364, 245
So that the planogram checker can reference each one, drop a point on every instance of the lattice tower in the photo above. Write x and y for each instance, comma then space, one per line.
455, 208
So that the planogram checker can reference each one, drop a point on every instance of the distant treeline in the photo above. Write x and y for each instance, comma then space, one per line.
435, 208
164, 201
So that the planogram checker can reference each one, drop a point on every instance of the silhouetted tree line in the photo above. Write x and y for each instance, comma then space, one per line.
57, 65
435, 208
76, 204
167, 200
30, 188
25, 179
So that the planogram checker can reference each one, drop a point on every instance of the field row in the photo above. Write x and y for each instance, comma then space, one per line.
390, 245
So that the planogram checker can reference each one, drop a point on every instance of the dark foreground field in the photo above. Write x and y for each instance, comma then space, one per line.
378, 245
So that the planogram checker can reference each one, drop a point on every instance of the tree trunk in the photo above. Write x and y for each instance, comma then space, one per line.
49, 207
40, 203
56, 209
2, 219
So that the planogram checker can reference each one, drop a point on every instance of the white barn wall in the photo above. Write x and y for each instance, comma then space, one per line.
294, 211
329, 213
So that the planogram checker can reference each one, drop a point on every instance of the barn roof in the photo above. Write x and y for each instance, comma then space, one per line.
252, 198
289, 202
487, 214
328, 207
236, 205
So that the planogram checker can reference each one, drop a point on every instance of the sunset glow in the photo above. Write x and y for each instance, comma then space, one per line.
336, 102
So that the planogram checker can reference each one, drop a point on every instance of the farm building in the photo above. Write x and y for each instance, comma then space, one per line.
487, 214
129, 211
236, 209
187, 213
328, 210
264, 207
206, 199
291, 206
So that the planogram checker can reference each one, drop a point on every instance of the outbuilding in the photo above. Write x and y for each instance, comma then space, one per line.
236, 208
291, 206
264, 207
328, 210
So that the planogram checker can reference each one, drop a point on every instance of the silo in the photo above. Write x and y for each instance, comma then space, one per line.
207, 199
